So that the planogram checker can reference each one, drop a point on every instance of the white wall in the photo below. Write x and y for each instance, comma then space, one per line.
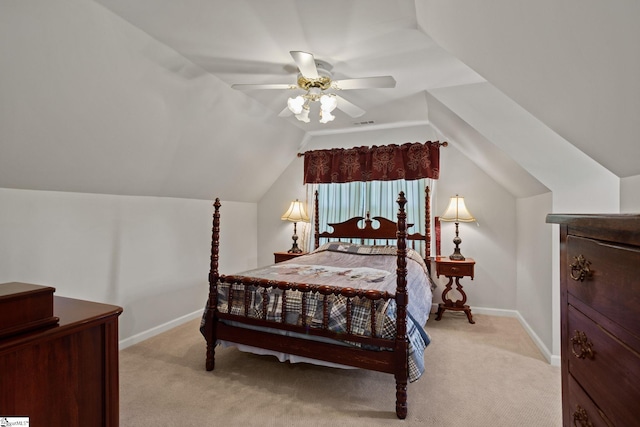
148, 255
491, 242
274, 235
534, 293
630, 194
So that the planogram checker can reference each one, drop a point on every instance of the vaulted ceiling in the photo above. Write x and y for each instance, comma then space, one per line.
249, 42
159, 117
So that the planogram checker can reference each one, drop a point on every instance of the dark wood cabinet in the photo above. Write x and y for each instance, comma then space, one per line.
64, 375
600, 305
454, 270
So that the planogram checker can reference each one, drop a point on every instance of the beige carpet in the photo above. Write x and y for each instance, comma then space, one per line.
487, 374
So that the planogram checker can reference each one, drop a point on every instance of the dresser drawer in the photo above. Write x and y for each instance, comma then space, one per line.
610, 375
613, 284
582, 410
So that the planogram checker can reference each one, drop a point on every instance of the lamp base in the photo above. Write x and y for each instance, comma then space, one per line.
295, 249
456, 255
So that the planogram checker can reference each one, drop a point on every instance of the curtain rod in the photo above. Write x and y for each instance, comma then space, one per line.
441, 144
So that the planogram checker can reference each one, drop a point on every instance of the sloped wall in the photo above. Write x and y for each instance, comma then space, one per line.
548, 57
91, 104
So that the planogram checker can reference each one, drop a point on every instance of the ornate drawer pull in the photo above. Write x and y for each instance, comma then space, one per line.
582, 344
580, 268
581, 416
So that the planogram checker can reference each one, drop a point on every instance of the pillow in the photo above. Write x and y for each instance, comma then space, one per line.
355, 248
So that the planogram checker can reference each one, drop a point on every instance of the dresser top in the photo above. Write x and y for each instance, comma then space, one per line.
73, 314
11, 289
623, 228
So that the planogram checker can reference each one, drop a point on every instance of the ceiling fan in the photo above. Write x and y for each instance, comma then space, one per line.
316, 80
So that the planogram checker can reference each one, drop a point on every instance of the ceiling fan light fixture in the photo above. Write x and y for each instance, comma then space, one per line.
296, 104
328, 103
326, 116
303, 116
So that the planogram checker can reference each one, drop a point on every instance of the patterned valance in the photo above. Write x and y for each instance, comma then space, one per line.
385, 163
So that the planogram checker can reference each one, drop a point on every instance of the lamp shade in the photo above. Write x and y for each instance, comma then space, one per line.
295, 213
457, 211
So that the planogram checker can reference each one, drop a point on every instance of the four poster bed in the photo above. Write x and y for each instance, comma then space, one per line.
345, 304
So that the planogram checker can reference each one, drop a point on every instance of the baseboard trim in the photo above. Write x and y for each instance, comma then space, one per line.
553, 359
494, 311
135, 339
481, 310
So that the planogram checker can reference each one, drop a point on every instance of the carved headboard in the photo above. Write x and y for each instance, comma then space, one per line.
383, 234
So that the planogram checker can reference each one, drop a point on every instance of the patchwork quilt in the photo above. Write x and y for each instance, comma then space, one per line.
342, 265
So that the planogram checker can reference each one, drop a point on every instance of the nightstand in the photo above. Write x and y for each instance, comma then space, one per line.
285, 256
454, 270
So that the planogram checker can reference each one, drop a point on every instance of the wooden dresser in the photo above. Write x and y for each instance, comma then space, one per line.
67, 374
600, 319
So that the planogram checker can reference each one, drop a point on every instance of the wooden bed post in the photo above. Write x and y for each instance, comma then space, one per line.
317, 222
210, 331
427, 225
402, 299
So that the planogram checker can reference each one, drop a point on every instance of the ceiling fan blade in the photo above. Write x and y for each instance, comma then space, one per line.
366, 83
263, 86
306, 63
348, 107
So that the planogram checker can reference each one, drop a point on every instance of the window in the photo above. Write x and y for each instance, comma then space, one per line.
339, 202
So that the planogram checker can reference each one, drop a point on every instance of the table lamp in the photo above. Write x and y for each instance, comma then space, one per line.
295, 214
457, 212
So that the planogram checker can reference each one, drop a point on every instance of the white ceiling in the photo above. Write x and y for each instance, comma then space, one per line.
249, 42
573, 64
134, 97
